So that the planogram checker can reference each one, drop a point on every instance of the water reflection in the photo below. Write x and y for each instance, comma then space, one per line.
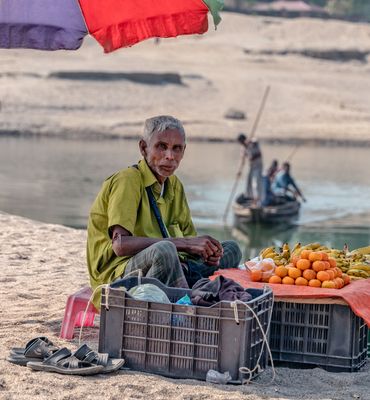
255, 237
56, 181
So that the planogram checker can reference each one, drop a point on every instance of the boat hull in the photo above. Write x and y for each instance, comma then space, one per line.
247, 212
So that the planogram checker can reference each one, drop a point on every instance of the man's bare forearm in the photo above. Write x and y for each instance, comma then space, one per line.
124, 245
130, 245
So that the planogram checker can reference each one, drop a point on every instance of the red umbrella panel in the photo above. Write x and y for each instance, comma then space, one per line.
61, 24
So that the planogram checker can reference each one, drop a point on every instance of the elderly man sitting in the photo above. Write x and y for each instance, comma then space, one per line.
140, 219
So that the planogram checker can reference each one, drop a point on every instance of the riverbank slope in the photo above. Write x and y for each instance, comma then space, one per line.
318, 71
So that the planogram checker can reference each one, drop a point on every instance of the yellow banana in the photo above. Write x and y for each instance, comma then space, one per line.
270, 255
362, 250
267, 250
286, 251
362, 267
358, 272
315, 246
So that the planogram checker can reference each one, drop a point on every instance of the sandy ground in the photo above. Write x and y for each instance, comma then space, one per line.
41, 264
310, 98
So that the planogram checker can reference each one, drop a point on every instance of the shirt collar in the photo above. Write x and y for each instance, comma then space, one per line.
150, 180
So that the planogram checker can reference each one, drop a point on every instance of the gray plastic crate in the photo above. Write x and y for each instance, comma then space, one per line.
183, 341
327, 335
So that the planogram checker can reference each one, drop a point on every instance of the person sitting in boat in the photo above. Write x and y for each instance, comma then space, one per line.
283, 184
140, 219
252, 151
268, 197
272, 170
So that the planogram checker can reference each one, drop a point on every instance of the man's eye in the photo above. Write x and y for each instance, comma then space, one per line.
162, 146
177, 149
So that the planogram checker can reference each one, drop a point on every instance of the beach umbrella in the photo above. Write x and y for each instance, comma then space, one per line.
62, 24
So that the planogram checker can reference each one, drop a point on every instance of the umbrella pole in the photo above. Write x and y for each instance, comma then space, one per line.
238, 174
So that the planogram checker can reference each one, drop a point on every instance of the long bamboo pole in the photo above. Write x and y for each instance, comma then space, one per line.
238, 174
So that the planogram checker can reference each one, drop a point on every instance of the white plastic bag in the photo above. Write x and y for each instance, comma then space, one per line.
149, 292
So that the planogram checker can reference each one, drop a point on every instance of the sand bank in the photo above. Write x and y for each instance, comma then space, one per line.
40, 265
87, 94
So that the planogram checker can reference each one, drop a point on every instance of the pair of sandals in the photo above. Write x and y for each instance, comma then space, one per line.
40, 354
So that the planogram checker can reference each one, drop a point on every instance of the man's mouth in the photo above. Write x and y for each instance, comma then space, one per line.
167, 167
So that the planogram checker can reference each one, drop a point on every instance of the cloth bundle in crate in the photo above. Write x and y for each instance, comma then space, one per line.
184, 341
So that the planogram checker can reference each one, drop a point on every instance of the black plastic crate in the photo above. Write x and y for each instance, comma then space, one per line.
183, 341
327, 335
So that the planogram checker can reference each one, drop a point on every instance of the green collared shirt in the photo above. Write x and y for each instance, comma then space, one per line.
123, 201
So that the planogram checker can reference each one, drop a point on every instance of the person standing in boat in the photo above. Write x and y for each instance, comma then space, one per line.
252, 151
284, 183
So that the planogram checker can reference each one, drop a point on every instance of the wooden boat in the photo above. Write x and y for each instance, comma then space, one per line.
284, 209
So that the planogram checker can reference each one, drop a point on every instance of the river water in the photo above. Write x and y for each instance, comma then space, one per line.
56, 181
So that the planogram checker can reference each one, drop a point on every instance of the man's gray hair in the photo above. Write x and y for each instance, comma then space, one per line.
160, 124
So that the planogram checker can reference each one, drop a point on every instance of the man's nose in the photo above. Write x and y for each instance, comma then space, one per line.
170, 154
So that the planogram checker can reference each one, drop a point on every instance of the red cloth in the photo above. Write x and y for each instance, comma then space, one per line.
356, 294
122, 23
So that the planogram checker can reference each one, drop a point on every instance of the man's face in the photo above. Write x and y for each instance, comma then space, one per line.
163, 152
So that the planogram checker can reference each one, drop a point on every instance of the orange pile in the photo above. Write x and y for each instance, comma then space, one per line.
310, 268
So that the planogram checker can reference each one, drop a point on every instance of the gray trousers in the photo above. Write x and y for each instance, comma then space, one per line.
255, 175
161, 261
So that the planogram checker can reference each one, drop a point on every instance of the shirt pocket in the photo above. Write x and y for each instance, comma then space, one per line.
175, 231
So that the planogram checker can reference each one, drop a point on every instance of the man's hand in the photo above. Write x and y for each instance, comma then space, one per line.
213, 261
206, 247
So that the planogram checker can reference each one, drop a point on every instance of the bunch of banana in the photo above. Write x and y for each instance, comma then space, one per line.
359, 255
359, 260
361, 251
359, 271
279, 257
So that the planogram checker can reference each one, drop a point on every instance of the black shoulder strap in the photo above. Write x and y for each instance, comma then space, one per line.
154, 207
157, 213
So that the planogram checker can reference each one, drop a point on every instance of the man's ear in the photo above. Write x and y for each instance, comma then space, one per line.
142, 147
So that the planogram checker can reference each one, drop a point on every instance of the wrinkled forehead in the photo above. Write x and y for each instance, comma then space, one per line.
169, 136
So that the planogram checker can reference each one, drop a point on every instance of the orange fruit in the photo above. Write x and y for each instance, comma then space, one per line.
325, 256
315, 256
339, 272
287, 280
303, 264
339, 282
332, 261
318, 266
331, 274
323, 276
294, 259
301, 281
294, 273
328, 285
256, 275
305, 254
281, 271
267, 266
309, 274
275, 279
327, 264
314, 283
346, 279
